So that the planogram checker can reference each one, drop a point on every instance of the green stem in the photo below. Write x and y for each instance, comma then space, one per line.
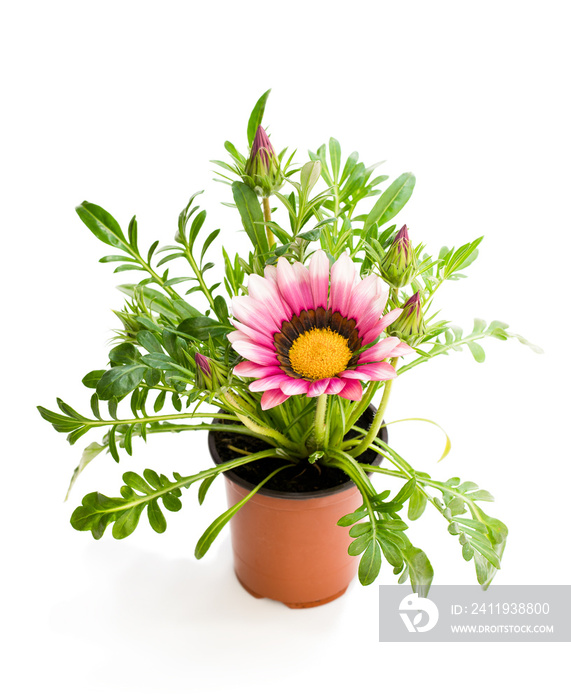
319, 424
156, 277
200, 279
255, 427
156, 419
360, 407
268, 217
186, 481
441, 349
378, 419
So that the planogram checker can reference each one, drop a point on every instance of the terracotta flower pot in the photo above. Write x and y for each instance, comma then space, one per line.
288, 546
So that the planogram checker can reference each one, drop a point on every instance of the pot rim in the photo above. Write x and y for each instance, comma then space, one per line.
289, 495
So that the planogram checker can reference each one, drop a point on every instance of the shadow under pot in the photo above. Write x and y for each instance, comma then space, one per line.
286, 542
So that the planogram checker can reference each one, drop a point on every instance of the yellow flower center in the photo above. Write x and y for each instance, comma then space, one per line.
319, 353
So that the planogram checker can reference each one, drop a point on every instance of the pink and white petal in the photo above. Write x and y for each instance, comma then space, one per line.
378, 371
390, 317
304, 282
271, 273
354, 374
252, 334
267, 293
238, 335
401, 349
288, 286
382, 290
380, 326
256, 353
292, 386
342, 280
380, 351
251, 369
352, 390
371, 316
319, 387
336, 384
254, 314
363, 294
319, 278
272, 382
273, 397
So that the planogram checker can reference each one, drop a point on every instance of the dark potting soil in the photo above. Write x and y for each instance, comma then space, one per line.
303, 477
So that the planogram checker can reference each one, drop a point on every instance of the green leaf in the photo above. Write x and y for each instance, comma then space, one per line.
391, 201
203, 488
416, 505
137, 483
148, 340
456, 505
173, 309
312, 235
392, 552
171, 502
213, 530
370, 563
406, 492
221, 308
233, 151
153, 478
127, 522
486, 551
203, 328
474, 524
125, 268
309, 176
160, 361
352, 518
481, 495
251, 215
112, 444
256, 117
477, 351
359, 545
115, 258
160, 401
119, 381
360, 529
207, 243
102, 225
92, 378
350, 163
156, 518
419, 568
89, 453
125, 354
335, 156
479, 326
467, 551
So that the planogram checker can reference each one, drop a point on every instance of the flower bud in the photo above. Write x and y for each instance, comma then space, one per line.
410, 326
399, 266
262, 171
210, 376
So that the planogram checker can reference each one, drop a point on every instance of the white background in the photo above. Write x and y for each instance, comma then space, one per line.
123, 104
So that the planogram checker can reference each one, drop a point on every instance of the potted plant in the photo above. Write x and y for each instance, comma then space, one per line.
281, 361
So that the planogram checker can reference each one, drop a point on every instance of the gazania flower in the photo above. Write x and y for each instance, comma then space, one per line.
302, 330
